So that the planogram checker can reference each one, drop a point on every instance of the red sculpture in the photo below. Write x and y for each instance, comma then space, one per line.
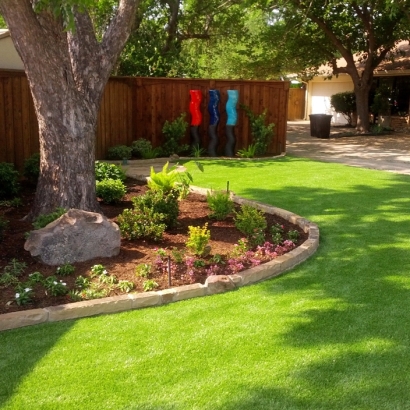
196, 98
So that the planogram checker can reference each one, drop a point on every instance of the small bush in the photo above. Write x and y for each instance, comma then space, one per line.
43, 220
162, 203
140, 146
120, 152
135, 223
252, 223
220, 204
9, 181
65, 270
344, 103
247, 152
32, 168
262, 134
110, 190
163, 180
104, 170
174, 132
198, 239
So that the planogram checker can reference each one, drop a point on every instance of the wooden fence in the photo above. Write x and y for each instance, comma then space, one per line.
134, 107
296, 104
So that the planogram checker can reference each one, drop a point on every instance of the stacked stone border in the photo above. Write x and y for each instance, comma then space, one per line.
213, 285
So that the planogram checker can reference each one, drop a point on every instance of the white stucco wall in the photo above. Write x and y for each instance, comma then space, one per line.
9, 58
319, 92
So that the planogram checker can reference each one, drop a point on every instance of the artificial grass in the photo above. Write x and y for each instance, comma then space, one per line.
331, 334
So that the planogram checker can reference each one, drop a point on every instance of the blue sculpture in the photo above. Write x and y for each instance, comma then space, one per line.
233, 96
214, 98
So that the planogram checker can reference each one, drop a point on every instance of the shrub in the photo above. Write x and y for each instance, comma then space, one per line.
220, 204
345, 103
43, 220
174, 132
140, 147
65, 270
9, 183
110, 190
119, 152
198, 239
104, 170
146, 223
161, 203
262, 134
382, 101
252, 223
247, 152
32, 168
149, 285
164, 180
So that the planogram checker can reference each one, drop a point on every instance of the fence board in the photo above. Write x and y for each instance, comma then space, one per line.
133, 108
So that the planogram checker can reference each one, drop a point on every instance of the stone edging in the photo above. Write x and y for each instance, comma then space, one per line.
213, 285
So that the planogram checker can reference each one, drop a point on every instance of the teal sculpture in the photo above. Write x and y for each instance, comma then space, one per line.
233, 96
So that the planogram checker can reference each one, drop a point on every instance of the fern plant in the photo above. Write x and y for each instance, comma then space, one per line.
164, 180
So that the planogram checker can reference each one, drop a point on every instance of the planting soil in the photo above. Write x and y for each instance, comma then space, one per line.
148, 257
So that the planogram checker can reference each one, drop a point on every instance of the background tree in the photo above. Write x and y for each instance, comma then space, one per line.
363, 32
67, 67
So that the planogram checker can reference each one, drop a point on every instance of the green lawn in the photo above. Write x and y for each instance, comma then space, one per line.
334, 333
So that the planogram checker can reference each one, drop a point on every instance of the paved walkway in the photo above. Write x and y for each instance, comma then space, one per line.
379, 152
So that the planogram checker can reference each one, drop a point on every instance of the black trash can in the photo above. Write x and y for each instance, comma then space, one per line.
320, 125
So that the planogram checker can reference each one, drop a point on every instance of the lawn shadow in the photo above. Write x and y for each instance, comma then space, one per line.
15, 363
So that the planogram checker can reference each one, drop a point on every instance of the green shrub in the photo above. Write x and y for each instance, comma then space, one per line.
32, 168
135, 224
344, 103
120, 152
162, 203
252, 223
247, 152
43, 220
164, 180
174, 132
262, 134
140, 146
65, 270
9, 181
104, 170
220, 204
110, 190
198, 239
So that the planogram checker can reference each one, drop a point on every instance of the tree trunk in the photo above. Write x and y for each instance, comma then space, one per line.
362, 107
67, 152
67, 73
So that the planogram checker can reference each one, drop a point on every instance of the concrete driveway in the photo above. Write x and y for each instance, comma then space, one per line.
385, 152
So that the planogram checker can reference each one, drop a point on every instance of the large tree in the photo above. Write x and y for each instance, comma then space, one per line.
67, 67
363, 32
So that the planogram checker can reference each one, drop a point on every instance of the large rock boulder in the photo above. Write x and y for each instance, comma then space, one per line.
76, 236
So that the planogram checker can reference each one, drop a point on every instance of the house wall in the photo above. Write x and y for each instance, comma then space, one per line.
319, 92
9, 58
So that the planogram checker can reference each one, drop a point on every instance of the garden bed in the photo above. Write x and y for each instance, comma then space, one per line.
134, 255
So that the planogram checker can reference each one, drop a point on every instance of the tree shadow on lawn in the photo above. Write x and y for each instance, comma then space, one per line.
21, 349
357, 296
